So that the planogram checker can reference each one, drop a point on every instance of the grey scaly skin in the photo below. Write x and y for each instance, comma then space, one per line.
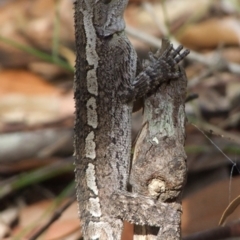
105, 86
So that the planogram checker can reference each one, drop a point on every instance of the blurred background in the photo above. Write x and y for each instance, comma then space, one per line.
37, 54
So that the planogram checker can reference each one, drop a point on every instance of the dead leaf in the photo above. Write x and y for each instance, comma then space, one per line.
33, 216
28, 98
211, 33
25, 82
203, 209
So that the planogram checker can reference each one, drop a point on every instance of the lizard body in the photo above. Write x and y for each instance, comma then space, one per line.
105, 86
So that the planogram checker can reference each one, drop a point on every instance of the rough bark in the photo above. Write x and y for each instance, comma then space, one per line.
159, 162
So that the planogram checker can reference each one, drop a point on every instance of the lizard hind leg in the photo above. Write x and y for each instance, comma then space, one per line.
142, 210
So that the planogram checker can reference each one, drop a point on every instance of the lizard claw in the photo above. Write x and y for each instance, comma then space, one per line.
177, 51
152, 57
181, 56
163, 63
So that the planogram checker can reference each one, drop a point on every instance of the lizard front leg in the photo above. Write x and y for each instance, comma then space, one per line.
142, 210
160, 68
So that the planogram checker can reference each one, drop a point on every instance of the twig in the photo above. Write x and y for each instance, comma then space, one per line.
159, 161
149, 8
54, 147
25, 145
56, 215
216, 130
218, 233
191, 97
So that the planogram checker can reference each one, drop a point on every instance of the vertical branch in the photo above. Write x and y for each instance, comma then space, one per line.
159, 162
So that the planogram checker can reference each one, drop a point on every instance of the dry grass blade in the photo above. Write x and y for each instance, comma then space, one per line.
230, 209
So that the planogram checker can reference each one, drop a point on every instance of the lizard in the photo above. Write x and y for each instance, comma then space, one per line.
106, 83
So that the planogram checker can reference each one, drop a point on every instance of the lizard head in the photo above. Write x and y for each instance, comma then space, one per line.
108, 16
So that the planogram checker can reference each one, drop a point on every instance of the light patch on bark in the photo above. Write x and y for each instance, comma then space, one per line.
181, 116
155, 140
94, 207
91, 178
155, 187
164, 125
100, 230
92, 117
91, 54
90, 146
